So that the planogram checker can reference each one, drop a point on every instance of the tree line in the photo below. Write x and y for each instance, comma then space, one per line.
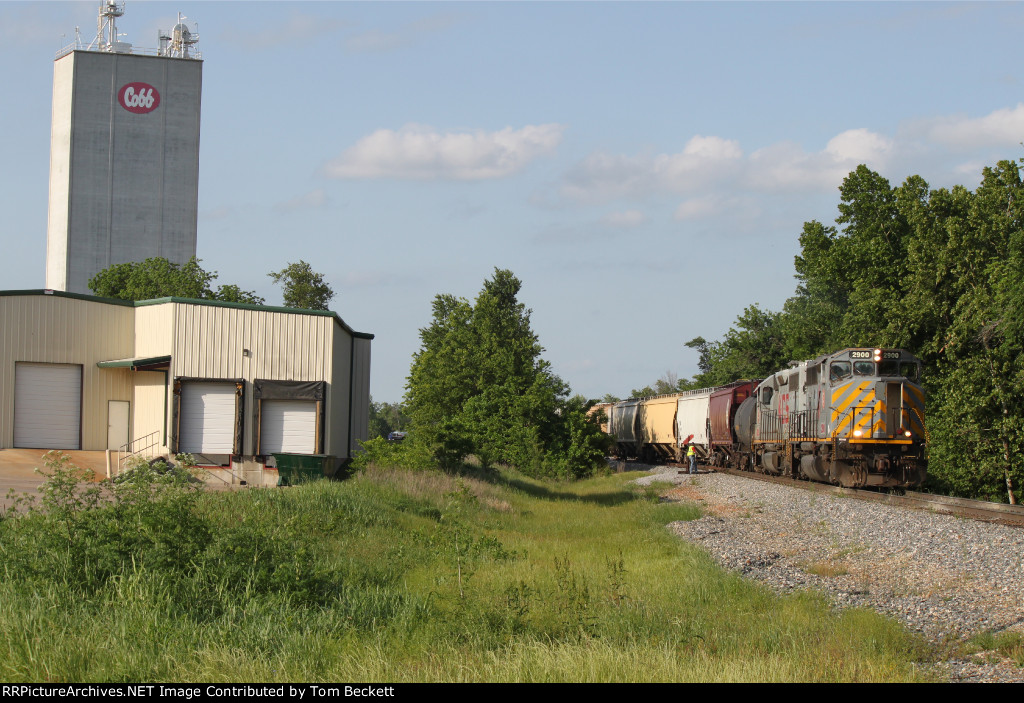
939, 272
156, 277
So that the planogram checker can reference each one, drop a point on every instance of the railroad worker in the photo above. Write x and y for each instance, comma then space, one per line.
691, 454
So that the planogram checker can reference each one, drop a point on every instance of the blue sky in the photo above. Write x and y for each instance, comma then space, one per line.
644, 168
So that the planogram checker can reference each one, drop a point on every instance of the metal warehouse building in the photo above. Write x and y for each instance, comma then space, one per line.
229, 383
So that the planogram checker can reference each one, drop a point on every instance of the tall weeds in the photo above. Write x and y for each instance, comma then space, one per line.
397, 575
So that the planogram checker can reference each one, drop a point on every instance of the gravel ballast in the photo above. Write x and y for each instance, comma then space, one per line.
945, 577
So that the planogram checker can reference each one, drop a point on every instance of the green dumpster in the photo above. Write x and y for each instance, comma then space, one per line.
293, 469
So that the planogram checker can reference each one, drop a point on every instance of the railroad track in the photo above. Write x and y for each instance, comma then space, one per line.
961, 507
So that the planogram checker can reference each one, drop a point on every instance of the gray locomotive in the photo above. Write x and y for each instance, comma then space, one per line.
853, 418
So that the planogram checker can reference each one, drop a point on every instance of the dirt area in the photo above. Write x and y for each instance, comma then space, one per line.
17, 468
711, 503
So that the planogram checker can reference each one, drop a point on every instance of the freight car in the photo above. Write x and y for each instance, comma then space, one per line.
853, 418
664, 426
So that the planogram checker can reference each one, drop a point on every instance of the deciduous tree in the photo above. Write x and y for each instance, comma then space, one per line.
159, 278
479, 385
303, 287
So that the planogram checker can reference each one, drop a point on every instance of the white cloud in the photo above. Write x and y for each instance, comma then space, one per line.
702, 160
1000, 128
314, 198
627, 218
716, 166
858, 146
708, 164
421, 153
786, 166
602, 176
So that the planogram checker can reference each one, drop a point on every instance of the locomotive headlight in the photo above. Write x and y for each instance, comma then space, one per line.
858, 433
878, 355
907, 433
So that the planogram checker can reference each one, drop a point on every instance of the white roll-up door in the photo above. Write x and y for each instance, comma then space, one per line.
288, 426
207, 421
47, 406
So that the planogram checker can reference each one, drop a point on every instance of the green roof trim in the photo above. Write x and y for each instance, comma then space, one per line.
73, 296
134, 363
190, 301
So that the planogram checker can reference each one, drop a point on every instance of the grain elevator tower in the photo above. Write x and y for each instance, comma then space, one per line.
124, 152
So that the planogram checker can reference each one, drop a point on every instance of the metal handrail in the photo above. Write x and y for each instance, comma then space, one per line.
143, 51
144, 444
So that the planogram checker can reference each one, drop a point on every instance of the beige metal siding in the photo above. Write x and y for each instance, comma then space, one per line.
209, 343
154, 336
58, 330
152, 395
154, 330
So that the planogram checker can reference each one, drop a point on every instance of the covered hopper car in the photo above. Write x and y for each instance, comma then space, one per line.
664, 426
853, 418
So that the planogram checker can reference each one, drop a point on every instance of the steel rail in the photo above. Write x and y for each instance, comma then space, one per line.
982, 510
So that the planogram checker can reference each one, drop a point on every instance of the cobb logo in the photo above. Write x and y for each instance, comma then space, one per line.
139, 98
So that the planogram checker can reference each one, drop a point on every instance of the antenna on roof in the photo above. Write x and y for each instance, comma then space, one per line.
106, 28
180, 41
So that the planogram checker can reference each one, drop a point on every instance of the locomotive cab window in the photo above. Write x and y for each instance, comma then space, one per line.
864, 368
766, 396
889, 367
910, 370
839, 370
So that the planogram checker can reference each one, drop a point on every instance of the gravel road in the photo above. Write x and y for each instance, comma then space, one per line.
945, 577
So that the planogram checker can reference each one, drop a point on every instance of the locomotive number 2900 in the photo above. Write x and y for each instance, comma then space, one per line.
867, 355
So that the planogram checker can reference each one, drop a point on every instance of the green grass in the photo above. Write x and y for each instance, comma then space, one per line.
409, 576
998, 646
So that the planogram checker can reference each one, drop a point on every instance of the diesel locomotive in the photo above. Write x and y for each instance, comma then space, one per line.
852, 418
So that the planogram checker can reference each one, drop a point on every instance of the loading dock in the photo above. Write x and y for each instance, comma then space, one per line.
208, 416
47, 405
231, 383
